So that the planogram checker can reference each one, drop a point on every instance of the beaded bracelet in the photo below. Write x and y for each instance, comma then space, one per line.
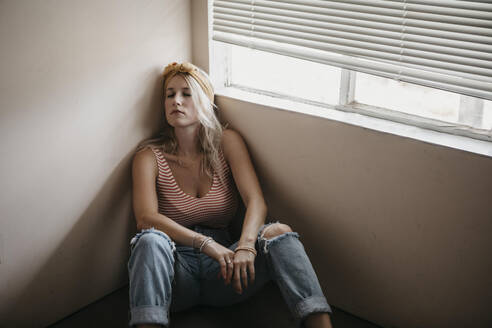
246, 248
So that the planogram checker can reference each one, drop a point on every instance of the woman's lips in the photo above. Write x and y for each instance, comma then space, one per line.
176, 111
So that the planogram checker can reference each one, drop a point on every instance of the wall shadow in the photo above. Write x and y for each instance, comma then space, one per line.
90, 261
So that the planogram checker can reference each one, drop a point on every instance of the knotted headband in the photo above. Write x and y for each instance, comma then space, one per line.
174, 68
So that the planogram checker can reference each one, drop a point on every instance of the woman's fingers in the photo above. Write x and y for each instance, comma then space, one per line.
244, 276
230, 270
251, 269
223, 267
243, 267
223, 256
235, 267
236, 283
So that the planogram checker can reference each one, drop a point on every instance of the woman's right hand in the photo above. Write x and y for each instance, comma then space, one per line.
222, 255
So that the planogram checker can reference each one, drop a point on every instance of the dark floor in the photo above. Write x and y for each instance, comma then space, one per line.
265, 310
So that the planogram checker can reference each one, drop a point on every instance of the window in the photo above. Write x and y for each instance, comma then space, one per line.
351, 58
282, 75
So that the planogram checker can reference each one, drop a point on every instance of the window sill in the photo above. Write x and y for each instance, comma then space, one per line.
353, 118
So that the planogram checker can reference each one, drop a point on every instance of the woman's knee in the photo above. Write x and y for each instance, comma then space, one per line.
275, 230
150, 248
155, 241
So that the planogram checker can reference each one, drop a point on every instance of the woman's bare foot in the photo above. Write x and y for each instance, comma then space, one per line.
318, 320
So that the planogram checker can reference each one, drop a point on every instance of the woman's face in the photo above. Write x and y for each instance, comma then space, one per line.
179, 106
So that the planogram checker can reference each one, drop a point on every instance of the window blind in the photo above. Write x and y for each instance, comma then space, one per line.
445, 44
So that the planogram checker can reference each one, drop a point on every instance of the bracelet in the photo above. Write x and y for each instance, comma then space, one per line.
246, 248
205, 242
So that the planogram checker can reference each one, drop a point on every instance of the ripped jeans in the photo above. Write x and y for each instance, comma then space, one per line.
165, 277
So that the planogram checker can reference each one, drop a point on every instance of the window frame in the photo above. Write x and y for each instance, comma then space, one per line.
399, 124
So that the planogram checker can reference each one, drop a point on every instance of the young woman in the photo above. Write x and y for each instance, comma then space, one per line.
185, 193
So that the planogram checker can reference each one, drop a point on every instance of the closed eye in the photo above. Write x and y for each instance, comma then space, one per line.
173, 94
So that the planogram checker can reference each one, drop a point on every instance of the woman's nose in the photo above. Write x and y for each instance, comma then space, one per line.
178, 99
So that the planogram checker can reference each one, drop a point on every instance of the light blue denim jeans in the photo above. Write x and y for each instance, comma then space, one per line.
165, 277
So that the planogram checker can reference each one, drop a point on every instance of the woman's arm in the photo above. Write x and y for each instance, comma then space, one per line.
244, 175
145, 206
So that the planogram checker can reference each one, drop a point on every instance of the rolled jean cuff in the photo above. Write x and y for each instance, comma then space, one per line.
312, 305
149, 315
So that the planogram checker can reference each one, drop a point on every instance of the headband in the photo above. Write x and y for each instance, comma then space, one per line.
173, 69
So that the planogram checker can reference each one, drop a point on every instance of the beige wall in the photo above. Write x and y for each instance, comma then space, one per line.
199, 33
398, 230
79, 88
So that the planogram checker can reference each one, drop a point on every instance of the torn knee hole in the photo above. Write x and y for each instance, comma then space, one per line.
275, 230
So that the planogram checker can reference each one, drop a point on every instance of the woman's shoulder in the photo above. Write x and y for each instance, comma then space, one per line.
232, 144
230, 136
144, 161
145, 155
156, 154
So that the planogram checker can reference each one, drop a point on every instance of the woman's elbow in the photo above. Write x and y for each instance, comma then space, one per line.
142, 222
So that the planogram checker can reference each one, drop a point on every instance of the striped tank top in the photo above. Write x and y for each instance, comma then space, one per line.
215, 209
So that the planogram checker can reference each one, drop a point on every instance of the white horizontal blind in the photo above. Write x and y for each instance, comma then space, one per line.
445, 44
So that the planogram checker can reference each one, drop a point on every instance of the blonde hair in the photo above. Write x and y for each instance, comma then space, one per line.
210, 130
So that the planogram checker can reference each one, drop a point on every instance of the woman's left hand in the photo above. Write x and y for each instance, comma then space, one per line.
244, 265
